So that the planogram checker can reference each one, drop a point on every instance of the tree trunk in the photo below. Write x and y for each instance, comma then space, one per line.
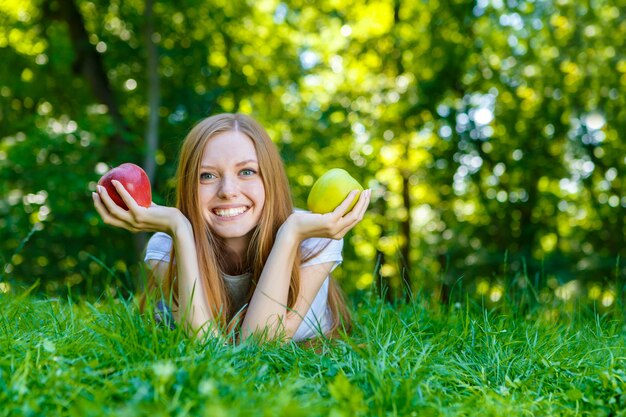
88, 62
152, 125
154, 94
405, 233
384, 287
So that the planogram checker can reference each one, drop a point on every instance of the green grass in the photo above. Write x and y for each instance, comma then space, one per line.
67, 358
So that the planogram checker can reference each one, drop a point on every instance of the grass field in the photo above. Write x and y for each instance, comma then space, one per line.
101, 358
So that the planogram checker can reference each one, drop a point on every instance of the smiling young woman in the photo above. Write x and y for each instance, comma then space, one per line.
233, 252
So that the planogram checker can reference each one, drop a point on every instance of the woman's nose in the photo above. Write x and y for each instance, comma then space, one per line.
228, 188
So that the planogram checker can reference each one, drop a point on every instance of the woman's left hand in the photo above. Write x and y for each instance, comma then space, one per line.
333, 225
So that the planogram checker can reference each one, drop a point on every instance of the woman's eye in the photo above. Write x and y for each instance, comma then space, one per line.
247, 172
206, 176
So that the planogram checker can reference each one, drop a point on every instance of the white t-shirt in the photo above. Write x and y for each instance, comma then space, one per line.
319, 317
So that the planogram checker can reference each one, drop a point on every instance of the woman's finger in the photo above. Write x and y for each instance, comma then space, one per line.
114, 214
127, 216
100, 208
131, 203
107, 201
365, 204
342, 209
346, 228
356, 215
361, 206
106, 216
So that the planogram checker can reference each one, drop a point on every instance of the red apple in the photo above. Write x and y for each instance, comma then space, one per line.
134, 179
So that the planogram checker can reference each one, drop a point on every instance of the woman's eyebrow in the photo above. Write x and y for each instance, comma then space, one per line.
247, 161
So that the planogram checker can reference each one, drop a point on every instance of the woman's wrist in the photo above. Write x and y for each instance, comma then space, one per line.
180, 225
289, 231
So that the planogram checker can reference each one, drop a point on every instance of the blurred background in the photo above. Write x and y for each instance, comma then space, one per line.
491, 132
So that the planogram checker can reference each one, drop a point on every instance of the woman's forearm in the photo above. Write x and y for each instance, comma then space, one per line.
193, 310
268, 306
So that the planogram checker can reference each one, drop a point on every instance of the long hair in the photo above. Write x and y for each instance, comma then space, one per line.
278, 206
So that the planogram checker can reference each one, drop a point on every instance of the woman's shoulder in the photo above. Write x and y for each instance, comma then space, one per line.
160, 239
159, 247
321, 250
319, 243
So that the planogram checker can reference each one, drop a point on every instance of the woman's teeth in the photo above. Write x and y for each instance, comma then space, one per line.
230, 212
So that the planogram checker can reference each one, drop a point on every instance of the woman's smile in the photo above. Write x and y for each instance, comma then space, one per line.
230, 212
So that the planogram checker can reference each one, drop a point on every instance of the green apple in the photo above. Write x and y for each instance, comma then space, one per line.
331, 189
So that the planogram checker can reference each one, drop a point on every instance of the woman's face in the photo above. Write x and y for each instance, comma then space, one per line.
231, 191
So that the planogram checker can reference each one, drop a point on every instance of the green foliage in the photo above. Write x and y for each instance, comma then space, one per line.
486, 129
76, 358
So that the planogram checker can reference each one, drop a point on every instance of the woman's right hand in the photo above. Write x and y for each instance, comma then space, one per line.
137, 219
